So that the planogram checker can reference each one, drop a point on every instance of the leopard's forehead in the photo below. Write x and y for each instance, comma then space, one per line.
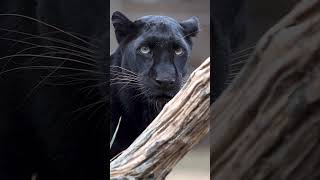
159, 25
157, 19
159, 22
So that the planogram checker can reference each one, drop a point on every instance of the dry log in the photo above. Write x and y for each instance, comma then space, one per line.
182, 123
267, 124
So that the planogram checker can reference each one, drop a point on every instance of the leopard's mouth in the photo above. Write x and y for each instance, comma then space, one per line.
159, 101
160, 98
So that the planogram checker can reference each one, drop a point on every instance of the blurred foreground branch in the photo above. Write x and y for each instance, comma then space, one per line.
182, 123
267, 124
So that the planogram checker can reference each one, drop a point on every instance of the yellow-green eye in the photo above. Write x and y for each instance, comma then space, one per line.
144, 50
178, 51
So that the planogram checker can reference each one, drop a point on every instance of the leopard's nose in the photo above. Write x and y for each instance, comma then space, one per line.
165, 82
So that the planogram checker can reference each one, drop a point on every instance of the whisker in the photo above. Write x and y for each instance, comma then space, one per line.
42, 46
128, 84
122, 75
142, 92
244, 50
68, 44
238, 69
232, 77
90, 92
75, 76
191, 33
77, 34
233, 74
112, 69
56, 48
84, 79
49, 57
95, 111
70, 76
123, 87
95, 85
16, 26
116, 73
85, 109
49, 67
240, 57
65, 53
47, 38
123, 78
114, 66
125, 83
48, 25
74, 82
239, 63
40, 83
88, 106
138, 95
122, 81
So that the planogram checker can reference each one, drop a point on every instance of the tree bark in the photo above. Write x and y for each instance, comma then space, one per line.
182, 123
267, 123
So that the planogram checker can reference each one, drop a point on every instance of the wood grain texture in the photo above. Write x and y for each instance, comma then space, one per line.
267, 123
182, 123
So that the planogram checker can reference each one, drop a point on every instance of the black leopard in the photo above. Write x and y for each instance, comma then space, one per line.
148, 68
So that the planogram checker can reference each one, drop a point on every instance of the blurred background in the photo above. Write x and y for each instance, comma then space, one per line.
195, 165
178, 9
262, 15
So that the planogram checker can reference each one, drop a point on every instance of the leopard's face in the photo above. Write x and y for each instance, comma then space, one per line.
155, 54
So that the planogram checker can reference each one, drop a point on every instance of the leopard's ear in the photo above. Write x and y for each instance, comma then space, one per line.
191, 26
122, 25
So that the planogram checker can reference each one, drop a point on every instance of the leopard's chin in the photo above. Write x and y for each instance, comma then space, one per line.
158, 102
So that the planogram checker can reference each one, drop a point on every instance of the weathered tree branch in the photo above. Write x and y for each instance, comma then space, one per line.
182, 123
267, 124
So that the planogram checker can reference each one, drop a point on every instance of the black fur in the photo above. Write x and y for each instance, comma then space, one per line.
42, 132
153, 78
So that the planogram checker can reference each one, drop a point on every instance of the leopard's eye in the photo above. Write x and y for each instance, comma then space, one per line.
144, 50
178, 51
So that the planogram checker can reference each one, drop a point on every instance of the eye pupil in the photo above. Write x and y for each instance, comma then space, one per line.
178, 51
145, 50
